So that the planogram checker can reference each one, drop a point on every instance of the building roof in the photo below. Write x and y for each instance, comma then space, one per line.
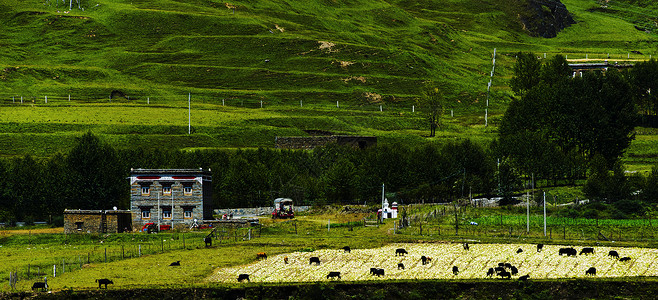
169, 171
96, 211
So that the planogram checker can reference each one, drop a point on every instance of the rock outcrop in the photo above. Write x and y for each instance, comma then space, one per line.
545, 18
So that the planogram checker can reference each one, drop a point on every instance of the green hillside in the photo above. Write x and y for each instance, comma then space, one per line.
311, 65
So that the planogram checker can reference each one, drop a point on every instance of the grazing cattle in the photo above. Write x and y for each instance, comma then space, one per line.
490, 272
514, 270
243, 277
377, 271
425, 259
285, 260
466, 246
315, 260
347, 249
455, 270
524, 277
400, 266
519, 251
499, 269
333, 275
625, 259
568, 251
587, 250
539, 247
373, 271
400, 251
208, 241
260, 255
175, 264
502, 265
104, 281
504, 274
614, 254
591, 271
43, 286
508, 265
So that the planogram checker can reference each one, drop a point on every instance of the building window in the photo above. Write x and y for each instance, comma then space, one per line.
166, 189
78, 226
146, 213
187, 189
187, 213
166, 213
146, 190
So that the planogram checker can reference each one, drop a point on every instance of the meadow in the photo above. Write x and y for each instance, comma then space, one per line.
257, 69
80, 259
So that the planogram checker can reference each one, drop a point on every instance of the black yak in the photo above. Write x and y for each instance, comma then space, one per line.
314, 259
104, 281
587, 250
243, 277
333, 275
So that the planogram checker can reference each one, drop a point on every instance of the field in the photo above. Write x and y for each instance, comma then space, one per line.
141, 261
472, 264
157, 52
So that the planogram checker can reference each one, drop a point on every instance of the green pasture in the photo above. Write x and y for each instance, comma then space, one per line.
80, 259
311, 65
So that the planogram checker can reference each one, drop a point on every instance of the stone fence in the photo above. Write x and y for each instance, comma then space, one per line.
255, 211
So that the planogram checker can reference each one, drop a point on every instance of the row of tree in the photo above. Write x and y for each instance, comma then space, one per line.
93, 175
567, 126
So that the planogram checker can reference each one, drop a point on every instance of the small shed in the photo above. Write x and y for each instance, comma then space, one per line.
97, 221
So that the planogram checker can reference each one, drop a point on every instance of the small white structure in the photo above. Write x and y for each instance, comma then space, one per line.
387, 212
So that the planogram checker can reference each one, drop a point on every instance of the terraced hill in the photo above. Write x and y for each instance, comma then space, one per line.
361, 53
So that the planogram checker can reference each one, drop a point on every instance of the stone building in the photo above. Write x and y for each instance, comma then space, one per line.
96, 221
176, 197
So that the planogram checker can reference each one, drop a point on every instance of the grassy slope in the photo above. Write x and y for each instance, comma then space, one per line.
158, 51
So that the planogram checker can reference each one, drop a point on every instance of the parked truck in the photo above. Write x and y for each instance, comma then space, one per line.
283, 209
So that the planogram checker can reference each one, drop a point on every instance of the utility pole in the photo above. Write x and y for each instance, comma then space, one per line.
544, 213
189, 113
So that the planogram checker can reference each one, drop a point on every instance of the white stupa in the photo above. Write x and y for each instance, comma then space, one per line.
386, 212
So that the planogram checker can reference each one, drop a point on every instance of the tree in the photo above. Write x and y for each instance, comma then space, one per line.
605, 185
526, 69
97, 177
644, 78
588, 115
431, 104
341, 182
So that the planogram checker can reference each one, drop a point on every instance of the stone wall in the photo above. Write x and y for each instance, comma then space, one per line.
303, 142
310, 142
255, 211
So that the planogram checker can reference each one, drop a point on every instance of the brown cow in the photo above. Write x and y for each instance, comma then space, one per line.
262, 255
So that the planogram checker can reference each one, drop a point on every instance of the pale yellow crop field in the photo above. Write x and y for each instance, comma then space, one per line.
472, 264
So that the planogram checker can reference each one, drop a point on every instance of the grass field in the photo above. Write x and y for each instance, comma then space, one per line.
80, 259
313, 66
